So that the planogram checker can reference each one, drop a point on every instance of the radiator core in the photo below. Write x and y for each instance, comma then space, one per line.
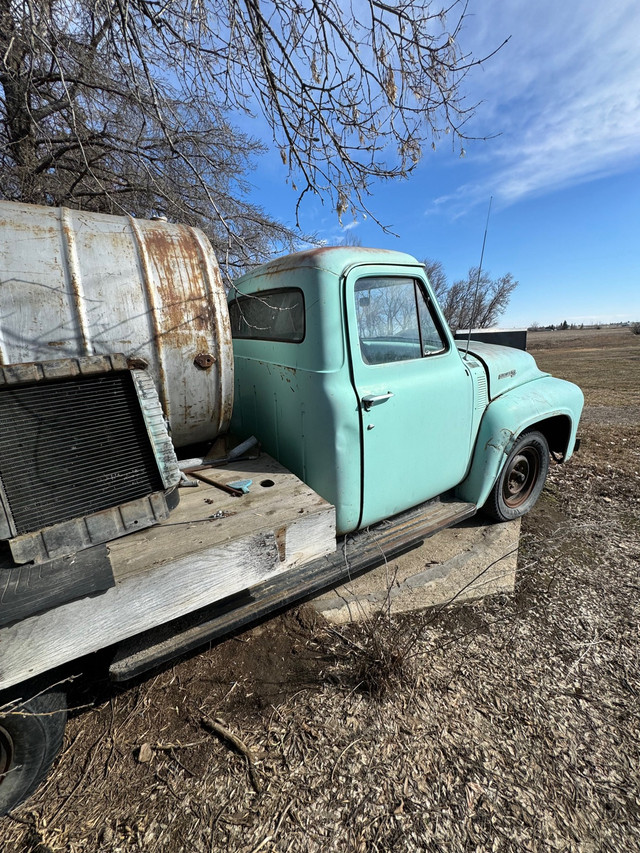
85, 456
73, 447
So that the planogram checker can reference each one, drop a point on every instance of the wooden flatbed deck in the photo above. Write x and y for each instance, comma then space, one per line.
356, 553
214, 545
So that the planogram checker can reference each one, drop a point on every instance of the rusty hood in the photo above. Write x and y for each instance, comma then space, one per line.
506, 367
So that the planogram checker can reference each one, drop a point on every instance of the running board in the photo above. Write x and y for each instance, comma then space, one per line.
355, 553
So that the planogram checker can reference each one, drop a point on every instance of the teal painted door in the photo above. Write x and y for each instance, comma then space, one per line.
415, 394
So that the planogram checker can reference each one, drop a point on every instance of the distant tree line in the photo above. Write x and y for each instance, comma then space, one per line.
552, 327
634, 327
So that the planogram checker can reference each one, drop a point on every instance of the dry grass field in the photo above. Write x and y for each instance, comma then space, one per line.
510, 724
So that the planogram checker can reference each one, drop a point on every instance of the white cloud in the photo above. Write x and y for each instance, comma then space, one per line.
564, 94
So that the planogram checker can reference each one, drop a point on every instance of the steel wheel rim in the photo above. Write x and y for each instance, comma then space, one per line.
520, 477
6, 753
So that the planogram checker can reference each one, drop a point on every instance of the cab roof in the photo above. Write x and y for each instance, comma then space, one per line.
332, 259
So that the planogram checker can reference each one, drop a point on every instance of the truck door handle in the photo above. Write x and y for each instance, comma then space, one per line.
372, 399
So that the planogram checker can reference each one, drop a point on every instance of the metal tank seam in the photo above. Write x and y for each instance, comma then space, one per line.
222, 332
73, 279
143, 258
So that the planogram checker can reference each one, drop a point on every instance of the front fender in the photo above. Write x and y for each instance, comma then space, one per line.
506, 417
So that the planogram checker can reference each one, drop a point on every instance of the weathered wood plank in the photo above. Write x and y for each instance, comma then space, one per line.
193, 524
29, 588
178, 567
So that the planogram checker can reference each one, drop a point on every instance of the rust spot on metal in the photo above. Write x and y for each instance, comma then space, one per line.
188, 312
204, 360
220, 328
137, 363
226, 408
314, 257
175, 259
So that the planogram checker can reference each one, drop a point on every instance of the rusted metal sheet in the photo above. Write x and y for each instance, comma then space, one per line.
76, 284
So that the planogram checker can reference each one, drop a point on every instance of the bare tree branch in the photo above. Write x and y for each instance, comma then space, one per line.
124, 105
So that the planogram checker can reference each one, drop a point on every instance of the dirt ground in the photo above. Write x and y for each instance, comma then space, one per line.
509, 724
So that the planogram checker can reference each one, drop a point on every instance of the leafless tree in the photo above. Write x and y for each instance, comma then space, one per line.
387, 308
473, 302
350, 239
437, 278
124, 104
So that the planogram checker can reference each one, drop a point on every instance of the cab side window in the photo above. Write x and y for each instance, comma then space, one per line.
395, 322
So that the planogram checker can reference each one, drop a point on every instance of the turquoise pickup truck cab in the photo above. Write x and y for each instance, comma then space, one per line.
347, 372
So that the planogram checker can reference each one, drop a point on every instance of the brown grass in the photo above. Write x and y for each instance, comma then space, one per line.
516, 727
605, 363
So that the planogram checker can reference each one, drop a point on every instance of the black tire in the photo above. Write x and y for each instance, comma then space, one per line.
31, 734
521, 480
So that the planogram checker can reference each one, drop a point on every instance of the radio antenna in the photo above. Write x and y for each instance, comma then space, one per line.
475, 296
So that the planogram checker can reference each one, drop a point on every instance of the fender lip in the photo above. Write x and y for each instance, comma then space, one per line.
506, 417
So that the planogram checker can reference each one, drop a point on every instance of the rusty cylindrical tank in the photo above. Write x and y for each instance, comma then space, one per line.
74, 283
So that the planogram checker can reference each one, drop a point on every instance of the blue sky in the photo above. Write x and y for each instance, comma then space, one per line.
564, 173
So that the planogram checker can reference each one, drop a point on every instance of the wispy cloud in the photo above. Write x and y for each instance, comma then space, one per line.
564, 94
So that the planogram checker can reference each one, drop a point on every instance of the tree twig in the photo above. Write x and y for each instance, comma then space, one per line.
239, 745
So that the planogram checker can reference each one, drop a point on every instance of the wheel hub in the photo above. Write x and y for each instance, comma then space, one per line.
520, 478
6, 752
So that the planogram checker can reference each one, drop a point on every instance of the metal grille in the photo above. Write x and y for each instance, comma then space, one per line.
483, 393
72, 447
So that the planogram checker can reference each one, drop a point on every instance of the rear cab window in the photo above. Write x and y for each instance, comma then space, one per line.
271, 315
